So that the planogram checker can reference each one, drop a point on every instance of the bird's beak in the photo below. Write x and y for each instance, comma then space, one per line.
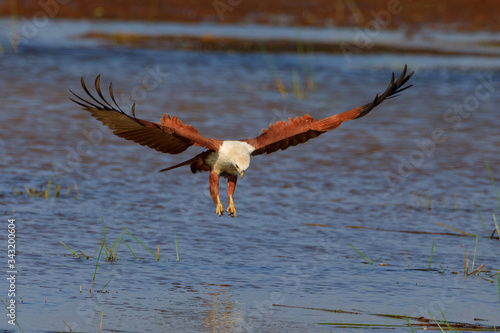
242, 173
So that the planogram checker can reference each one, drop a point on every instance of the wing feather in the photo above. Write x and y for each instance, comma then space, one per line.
170, 136
282, 134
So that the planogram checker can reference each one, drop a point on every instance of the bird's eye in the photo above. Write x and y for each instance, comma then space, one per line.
236, 166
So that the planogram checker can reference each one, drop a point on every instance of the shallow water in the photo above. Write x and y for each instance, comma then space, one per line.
233, 273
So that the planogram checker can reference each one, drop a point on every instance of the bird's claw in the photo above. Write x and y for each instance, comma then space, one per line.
220, 209
231, 210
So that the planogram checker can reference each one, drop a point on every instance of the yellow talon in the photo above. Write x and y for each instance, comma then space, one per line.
231, 210
220, 209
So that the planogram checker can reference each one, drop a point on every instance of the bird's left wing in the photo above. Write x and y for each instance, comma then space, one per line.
170, 136
282, 134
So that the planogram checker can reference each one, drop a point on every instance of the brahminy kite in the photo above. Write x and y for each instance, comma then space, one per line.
226, 158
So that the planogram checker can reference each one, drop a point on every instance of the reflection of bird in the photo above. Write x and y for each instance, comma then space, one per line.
223, 157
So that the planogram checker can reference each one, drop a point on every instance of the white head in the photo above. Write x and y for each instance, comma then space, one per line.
241, 163
237, 154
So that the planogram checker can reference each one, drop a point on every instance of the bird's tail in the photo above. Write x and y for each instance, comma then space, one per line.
197, 163
188, 162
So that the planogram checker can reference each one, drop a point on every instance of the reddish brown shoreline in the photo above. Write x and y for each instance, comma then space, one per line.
461, 15
228, 44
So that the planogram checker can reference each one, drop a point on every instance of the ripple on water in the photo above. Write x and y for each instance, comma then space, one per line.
288, 244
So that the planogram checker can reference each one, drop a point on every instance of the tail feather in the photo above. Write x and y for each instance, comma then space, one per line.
197, 163
188, 162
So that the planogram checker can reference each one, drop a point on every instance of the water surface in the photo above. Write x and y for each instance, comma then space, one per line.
233, 273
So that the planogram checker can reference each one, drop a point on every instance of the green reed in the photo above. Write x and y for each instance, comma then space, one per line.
371, 262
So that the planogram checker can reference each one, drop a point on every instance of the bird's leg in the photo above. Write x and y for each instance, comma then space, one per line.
231, 185
214, 191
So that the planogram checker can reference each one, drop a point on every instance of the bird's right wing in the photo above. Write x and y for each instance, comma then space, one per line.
282, 134
170, 136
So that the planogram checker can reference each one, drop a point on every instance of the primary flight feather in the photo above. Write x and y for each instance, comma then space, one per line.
224, 158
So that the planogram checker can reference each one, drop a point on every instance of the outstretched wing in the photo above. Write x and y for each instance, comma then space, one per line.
282, 134
170, 136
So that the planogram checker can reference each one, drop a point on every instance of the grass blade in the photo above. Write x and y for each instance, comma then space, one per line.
15, 320
114, 243
494, 186
138, 241
371, 262
95, 271
446, 321
128, 247
457, 230
118, 248
496, 225
76, 190
70, 329
28, 191
409, 324
463, 250
416, 199
436, 321
444, 201
176, 247
474, 257
110, 252
279, 83
106, 285
71, 250
432, 250
48, 188
357, 325
296, 86
477, 270
481, 219
104, 233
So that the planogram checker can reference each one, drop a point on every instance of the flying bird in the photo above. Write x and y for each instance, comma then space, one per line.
226, 158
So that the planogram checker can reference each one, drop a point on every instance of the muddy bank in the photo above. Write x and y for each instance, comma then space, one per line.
459, 15
209, 42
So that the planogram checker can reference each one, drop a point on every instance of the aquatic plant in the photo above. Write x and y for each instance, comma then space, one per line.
46, 192
138, 241
111, 253
432, 250
424, 201
420, 323
496, 230
306, 75
371, 262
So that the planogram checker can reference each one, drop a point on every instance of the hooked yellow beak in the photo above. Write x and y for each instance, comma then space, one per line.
242, 173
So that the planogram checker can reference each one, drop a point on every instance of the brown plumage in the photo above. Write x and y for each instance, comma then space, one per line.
282, 134
169, 136
222, 157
